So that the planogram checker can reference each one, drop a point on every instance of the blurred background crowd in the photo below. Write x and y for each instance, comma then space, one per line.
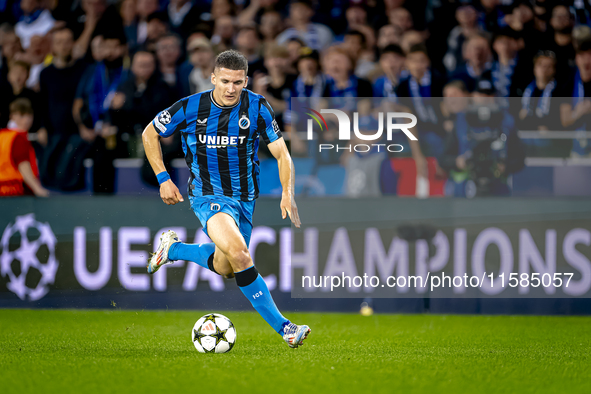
84, 77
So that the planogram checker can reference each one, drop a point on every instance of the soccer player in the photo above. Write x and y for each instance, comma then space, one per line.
220, 131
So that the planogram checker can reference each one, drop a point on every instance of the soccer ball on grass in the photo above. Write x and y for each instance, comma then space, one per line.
213, 333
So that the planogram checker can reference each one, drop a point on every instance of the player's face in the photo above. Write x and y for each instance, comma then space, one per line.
228, 85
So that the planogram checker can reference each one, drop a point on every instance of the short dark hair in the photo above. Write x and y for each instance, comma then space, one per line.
352, 32
393, 48
232, 60
418, 48
21, 106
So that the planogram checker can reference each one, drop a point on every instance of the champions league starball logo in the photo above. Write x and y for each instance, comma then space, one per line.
20, 263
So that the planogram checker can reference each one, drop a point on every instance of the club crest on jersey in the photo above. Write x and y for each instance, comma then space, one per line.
244, 122
214, 206
165, 117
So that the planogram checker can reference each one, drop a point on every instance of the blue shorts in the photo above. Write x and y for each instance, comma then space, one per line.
207, 206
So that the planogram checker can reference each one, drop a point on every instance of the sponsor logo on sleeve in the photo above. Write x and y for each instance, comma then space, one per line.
275, 127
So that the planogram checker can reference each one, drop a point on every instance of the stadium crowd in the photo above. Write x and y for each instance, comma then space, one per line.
93, 73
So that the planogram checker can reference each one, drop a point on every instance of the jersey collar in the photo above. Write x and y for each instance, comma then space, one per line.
221, 106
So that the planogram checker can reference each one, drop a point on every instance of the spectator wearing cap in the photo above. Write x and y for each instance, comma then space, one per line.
467, 18
391, 63
248, 42
576, 114
478, 57
505, 47
314, 35
36, 21
201, 58
276, 85
168, 53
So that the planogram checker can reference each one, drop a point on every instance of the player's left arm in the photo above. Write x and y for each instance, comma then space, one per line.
271, 134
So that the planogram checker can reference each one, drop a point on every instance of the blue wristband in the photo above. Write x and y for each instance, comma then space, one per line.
163, 177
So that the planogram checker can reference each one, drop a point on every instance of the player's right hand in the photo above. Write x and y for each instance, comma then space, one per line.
170, 193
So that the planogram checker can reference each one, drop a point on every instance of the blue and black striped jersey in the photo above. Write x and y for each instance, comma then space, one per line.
221, 143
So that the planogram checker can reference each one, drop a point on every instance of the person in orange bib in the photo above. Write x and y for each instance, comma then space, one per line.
19, 175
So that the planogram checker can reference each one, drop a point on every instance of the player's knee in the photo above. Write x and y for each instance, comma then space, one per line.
239, 258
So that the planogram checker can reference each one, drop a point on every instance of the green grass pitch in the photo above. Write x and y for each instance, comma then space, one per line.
46, 351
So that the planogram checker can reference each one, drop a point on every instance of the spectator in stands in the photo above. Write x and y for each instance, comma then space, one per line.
137, 99
223, 34
90, 110
392, 61
271, 26
58, 83
93, 18
314, 35
540, 108
310, 81
478, 58
401, 18
18, 73
416, 91
294, 47
137, 34
157, 27
183, 15
248, 42
36, 21
388, 35
483, 149
201, 58
339, 66
168, 53
560, 40
10, 45
276, 84
355, 44
18, 165
467, 18
503, 68
577, 113
35, 55
492, 15
411, 38
356, 16
256, 10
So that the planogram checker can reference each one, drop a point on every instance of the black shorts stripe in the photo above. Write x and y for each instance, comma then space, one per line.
242, 150
202, 113
222, 153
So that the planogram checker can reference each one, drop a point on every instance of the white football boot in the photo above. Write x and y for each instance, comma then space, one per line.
160, 257
294, 335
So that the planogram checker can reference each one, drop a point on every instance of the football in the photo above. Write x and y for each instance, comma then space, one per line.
213, 333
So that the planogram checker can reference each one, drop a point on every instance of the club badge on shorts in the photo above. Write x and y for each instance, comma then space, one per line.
214, 206
244, 122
